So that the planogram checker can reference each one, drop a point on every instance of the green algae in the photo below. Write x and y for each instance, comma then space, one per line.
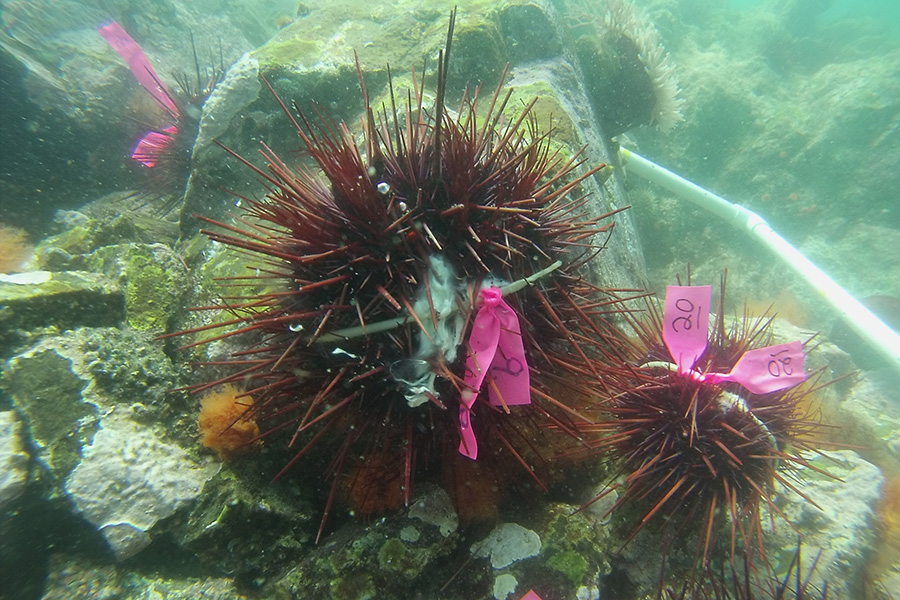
359, 586
153, 281
573, 547
571, 564
148, 295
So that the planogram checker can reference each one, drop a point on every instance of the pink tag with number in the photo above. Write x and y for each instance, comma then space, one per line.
766, 369
139, 64
495, 347
686, 323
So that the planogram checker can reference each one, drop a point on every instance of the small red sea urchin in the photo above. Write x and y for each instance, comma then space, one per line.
700, 436
164, 152
404, 267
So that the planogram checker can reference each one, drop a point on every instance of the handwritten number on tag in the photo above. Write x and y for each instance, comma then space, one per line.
780, 366
686, 322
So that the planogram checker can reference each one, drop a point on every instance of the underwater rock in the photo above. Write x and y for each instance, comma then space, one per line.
100, 240
115, 218
129, 479
13, 459
247, 526
75, 578
86, 397
565, 556
153, 280
838, 534
64, 300
434, 507
395, 558
506, 544
239, 88
868, 418
310, 64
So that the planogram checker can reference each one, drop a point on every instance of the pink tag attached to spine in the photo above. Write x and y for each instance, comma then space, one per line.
685, 328
686, 323
150, 146
139, 64
495, 347
768, 369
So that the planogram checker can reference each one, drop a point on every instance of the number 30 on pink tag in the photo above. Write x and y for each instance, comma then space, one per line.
686, 323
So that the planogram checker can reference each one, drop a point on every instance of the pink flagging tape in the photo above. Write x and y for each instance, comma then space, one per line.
768, 369
152, 144
685, 330
686, 323
139, 64
495, 349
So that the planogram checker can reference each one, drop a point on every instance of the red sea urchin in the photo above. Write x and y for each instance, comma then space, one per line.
164, 152
697, 451
383, 254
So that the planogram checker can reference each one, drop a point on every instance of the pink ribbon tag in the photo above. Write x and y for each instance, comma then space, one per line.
685, 328
139, 64
766, 369
495, 348
150, 146
686, 323
531, 595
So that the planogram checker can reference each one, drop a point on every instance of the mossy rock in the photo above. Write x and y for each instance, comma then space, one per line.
153, 280
31, 301
48, 395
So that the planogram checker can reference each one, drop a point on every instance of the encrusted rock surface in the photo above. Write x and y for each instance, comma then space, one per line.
311, 64
129, 479
13, 459
838, 530
85, 407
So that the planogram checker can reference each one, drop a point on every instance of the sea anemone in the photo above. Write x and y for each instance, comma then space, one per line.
622, 20
383, 257
628, 74
694, 456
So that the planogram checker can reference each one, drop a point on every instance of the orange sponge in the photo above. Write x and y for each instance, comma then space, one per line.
224, 423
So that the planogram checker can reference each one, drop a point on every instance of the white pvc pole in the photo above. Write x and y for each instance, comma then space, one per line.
873, 330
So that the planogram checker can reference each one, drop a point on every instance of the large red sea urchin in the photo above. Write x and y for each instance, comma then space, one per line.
403, 266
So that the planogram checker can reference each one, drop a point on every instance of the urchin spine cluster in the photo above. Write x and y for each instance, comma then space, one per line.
382, 248
693, 451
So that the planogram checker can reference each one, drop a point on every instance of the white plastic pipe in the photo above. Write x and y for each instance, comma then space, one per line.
870, 328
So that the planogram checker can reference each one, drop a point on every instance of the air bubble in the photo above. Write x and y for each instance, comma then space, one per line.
383, 188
